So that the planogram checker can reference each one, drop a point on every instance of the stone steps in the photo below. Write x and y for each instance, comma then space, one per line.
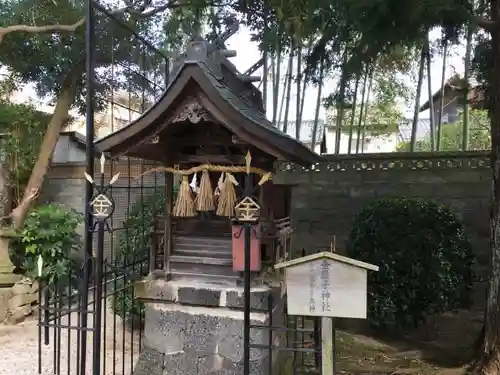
202, 257
201, 241
204, 266
178, 275
203, 252
175, 258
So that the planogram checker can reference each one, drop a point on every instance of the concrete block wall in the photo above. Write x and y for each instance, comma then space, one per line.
326, 198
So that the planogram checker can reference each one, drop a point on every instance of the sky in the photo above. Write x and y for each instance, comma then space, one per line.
248, 54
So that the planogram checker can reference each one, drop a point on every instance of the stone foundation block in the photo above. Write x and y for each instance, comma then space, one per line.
18, 314
25, 287
198, 329
5, 295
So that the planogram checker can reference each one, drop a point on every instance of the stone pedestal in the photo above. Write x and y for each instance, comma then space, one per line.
197, 329
18, 301
7, 278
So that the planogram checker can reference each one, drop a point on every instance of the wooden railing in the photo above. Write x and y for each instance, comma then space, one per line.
157, 248
284, 232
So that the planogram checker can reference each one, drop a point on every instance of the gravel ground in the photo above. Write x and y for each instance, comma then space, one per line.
19, 349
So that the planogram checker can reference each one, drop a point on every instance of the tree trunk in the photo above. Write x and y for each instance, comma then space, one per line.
58, 119
467, 66
298, 119
367, 106
318, 105
19, 214
361, 108
414, 124
6, 265
429, 92
488, 362
288, 90
276, 83
353, 113
282, 103
441, 99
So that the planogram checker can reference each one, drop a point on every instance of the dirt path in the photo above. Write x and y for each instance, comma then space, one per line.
19, 352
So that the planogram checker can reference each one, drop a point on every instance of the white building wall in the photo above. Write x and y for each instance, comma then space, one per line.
379, 143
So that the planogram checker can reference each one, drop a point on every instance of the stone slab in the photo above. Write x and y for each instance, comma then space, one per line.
215, 364
9, 279
25, 287
163, 331
150, 362
5, 296
18, 314
259, 299
204, 294
201, 331
22, 300
199, 296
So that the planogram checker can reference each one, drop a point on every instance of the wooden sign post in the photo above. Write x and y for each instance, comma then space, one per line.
334, 285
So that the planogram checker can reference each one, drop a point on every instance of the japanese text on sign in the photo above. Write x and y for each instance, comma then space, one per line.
325, 286
312, 287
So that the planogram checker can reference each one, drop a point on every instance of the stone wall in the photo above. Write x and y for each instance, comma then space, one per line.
326, 198
65, 184
18, 301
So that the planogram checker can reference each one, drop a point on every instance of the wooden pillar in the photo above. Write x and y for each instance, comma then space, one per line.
167, 243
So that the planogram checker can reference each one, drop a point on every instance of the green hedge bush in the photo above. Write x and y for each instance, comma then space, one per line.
49, 232
425, 260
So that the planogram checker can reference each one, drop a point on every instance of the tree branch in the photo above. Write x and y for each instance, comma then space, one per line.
488, 25
141, 8
39, 29
145, 8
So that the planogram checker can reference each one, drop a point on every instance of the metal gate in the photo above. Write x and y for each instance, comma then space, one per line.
90, 323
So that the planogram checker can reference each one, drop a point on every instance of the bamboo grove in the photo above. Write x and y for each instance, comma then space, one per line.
306, 44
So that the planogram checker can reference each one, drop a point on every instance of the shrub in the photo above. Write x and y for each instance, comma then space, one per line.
133, 245
49, 232
424, 257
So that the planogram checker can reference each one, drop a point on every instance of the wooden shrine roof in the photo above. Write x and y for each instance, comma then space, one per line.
211, 80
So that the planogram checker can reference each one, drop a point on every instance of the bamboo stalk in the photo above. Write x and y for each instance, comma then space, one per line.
367, 106
432, 122
265, 56
318, 105
362, 105
340, 113
298, 118
413, 140
353, 113
288, 89
277, 79
468, 53
441, 100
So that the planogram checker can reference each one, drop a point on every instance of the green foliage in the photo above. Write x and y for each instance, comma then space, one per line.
380, 119
424, 257
48, 58
49, 232
451, 135
131, 252
23, 128
482, 67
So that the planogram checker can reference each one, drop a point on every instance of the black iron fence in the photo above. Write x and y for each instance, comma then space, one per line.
294, 342
90, 321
